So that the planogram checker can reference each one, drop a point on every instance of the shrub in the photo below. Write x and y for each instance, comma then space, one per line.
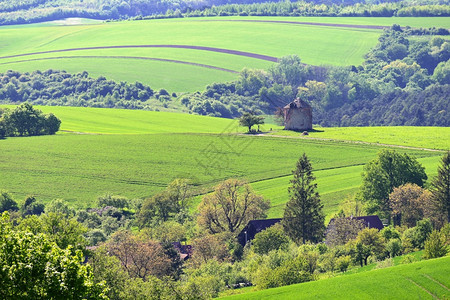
343, 262
407, 259
435, 246
273, 238
388, 262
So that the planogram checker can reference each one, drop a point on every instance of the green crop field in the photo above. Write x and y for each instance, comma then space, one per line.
137, 153
25, 47
421, 280
189, 69
420, 136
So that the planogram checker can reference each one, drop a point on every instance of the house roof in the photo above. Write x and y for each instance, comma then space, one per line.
369, 221
297, 103
253, 227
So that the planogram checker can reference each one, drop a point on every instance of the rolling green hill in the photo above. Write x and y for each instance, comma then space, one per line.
26, 48
137, 153
421, 280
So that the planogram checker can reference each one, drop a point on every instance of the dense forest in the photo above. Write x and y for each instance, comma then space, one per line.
31, 11
404, 80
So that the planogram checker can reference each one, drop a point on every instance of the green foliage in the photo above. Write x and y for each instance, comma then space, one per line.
60, 206
7, 203
31, 207
272, 238
343, 262
389, 170
436, 245
303, 218
35, 267
414, 238
24, 120
396, 281
230, 207
248, 120
441, 187
368, 243
341, 230
288, 273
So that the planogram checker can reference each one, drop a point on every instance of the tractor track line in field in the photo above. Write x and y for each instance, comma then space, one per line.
126, 57
432, 279
191, 47
351, 142
306, 23
418, 285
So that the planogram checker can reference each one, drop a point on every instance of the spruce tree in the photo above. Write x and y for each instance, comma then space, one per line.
303, 216
441, 187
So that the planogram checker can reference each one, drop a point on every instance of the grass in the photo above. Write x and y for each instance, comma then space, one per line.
314, 44
420, 137
421, 280
137, 153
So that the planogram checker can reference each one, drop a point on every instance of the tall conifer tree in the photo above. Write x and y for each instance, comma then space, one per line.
441, 187
303, 216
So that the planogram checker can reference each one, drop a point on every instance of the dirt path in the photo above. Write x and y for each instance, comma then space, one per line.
351, 142
212, 49
127, 57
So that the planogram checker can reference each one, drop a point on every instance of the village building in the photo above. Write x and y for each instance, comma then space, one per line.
253, 227
369, 221
297, 116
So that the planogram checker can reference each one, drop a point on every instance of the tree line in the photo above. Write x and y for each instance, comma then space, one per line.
54, 87
24, 120
403, 81
32, 11
133, 255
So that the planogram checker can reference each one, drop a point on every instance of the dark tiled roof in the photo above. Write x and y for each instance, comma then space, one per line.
297, 103
369, 221
253, 227
184, 250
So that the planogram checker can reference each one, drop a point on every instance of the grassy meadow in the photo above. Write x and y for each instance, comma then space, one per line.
421, 280
184, 70
420, 136
137, 153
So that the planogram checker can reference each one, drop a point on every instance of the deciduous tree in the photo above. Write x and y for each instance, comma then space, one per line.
140, 258
388, 170
303, 216
341, 230
33, 267
230, 207
409, 204
249, 119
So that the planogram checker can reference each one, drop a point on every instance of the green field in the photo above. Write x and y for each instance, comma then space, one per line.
421, 280
420, 136
137, 153
314, 44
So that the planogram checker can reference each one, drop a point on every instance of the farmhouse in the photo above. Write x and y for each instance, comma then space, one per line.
253, 227
369, 221
297, 116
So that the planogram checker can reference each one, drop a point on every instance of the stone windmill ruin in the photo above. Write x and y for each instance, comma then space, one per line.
297, 116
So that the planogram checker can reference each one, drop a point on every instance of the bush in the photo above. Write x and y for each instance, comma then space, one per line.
407, 259
343, 262
388, 262
290, 272
273, 238
435, 246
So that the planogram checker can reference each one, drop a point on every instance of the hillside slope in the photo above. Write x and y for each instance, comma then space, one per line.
421, 280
